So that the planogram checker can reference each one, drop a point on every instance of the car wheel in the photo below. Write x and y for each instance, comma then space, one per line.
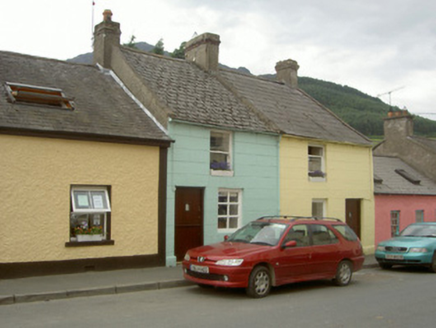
385, 266
433, 264
344, 273
259, 283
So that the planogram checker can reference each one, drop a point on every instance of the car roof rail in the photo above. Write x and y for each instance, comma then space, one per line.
296, 217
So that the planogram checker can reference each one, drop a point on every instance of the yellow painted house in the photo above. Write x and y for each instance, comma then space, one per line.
325, 165
82, 171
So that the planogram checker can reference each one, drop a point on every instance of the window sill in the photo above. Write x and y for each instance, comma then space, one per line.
317, 179
89, 243
221, 173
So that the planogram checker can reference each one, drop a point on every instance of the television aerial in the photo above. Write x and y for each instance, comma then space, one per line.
389, 93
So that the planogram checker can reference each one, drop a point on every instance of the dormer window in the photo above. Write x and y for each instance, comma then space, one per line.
31, 94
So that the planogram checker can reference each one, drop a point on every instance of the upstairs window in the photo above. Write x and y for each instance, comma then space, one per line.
221, 153
316, 163
26, 93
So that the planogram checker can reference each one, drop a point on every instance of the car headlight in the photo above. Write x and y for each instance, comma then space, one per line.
187, 257
381, 248
230, 262
418, 250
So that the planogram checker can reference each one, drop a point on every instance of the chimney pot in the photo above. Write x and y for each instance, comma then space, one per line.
107, 15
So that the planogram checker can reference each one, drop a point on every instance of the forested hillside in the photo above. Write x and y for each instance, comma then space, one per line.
363, 112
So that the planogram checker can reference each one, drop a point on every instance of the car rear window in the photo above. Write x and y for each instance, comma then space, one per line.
346, 232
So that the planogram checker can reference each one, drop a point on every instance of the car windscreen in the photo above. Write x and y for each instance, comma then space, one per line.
419, 230
261, 233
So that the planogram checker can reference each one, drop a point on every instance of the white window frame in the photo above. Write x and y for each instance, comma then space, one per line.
228, 203
323, 203
322, 160
229, 154
86, 209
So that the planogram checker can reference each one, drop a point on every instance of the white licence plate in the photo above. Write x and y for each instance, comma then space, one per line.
199, 268
394, 257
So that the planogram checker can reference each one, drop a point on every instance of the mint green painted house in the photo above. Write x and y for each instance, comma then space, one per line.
231, 197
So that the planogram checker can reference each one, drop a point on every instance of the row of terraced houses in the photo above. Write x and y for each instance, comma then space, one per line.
131, 161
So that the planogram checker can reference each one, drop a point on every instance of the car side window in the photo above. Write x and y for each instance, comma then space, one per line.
346, 232
321, 235
298, 233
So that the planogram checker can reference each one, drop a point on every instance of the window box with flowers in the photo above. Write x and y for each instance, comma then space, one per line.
89, 234
317, 174
90, 218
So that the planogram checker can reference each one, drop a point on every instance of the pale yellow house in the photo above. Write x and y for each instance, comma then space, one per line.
82, 171
325, 165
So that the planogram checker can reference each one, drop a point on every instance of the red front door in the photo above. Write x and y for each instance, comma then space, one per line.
188, 220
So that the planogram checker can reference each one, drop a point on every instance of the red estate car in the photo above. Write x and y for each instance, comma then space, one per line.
277, 250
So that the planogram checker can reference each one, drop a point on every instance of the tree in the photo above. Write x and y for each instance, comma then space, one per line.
158, 48
131, 43
179, 53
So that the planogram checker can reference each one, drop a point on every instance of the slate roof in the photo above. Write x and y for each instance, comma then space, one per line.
426, 142
103, 110
229, 99
193, 95
387, 181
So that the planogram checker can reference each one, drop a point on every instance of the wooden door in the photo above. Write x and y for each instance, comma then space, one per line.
188, 220
352, 211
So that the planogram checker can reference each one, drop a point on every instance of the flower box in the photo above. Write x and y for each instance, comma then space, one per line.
317, 174
89, 237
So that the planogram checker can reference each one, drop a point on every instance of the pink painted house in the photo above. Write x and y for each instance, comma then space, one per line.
402, 196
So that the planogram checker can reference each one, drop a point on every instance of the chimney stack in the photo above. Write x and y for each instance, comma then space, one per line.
106, 35
398, 125
203, 50
287, 72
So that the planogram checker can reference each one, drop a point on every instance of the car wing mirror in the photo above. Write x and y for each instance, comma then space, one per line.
226, 238
291, 243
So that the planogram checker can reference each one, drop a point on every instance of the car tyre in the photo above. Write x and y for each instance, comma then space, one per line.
259, 283
385, 266
433, 264
344, 272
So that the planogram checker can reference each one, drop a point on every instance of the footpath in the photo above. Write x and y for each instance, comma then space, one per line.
45, 288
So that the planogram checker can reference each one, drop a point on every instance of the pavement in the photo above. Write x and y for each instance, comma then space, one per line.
46, 288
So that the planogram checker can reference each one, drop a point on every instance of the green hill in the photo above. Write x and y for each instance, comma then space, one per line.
361, 111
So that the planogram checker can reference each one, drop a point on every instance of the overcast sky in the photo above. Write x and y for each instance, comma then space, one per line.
375, 46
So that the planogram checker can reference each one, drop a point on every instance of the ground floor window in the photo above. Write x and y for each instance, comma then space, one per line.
395, 223
318, 208
419, 215
90, 214
229, 209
